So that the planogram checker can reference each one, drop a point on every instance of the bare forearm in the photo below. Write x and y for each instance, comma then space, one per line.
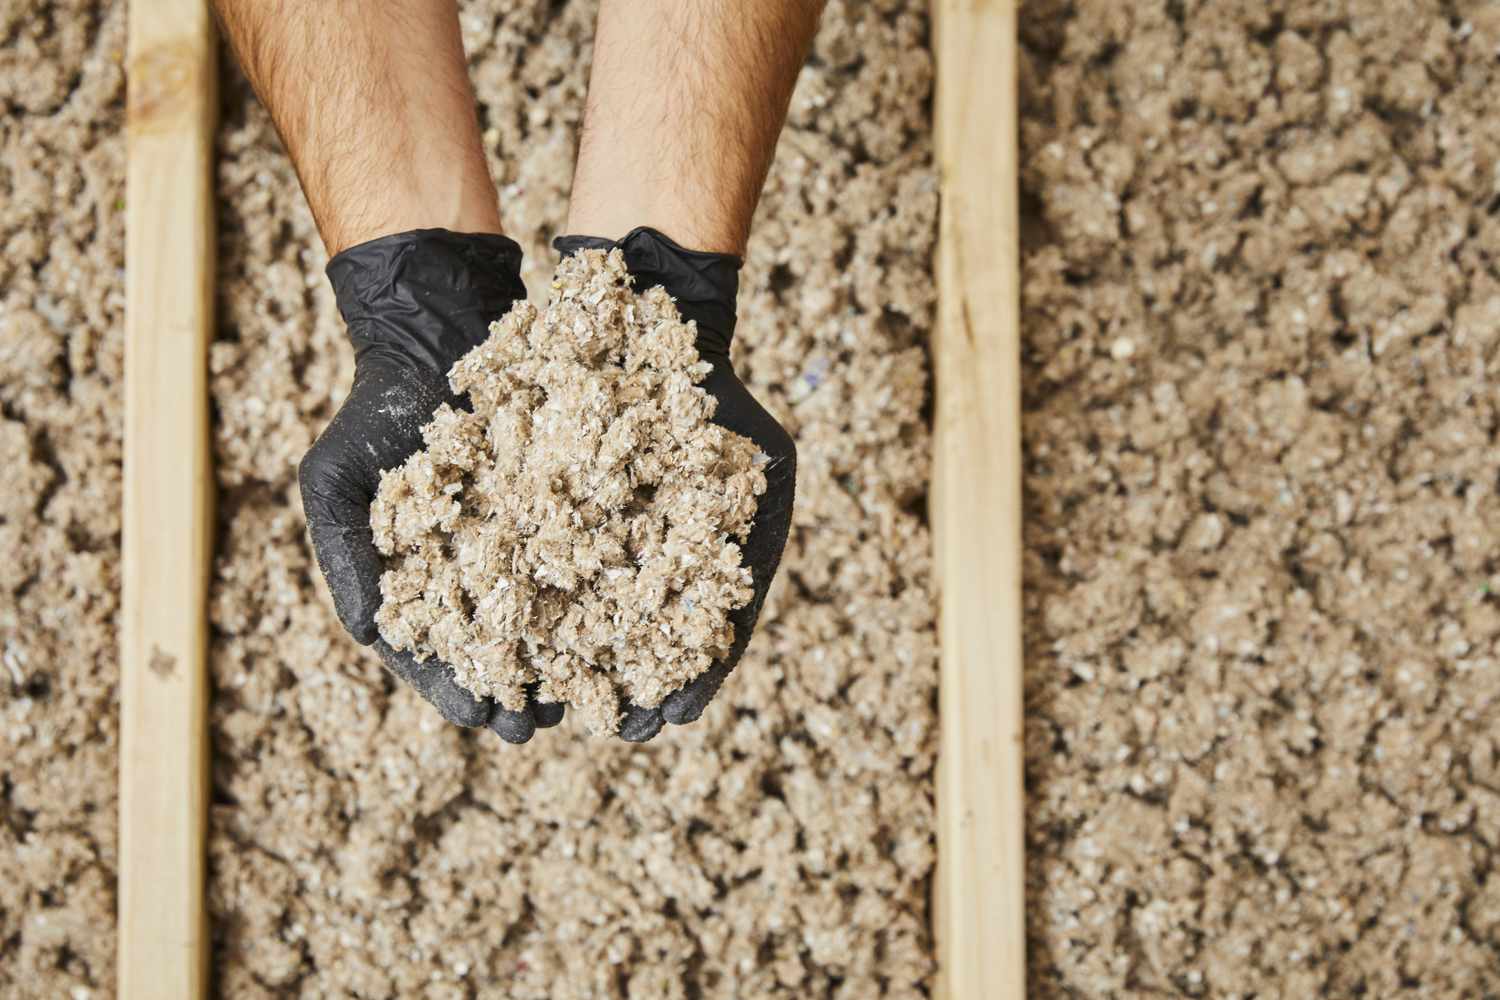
686, 100
373, 103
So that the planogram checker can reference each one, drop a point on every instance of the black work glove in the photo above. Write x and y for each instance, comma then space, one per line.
705, 286
414, 304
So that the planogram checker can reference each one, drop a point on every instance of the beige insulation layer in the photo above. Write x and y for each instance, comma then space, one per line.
1262, 317
781, 847
62, 234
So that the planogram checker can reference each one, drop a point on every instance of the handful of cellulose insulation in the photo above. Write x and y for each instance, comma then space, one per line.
578, 530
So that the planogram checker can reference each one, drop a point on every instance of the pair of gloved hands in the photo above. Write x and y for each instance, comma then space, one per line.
414, 304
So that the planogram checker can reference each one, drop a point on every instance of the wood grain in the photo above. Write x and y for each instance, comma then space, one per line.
168, 496
975, 506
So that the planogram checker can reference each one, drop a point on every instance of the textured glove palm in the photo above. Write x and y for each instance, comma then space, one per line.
705, 286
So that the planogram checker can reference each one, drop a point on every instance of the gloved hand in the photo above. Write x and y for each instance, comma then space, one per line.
705, 286
414, 304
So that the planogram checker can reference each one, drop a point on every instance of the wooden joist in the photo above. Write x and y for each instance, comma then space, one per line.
975, 505
168, 493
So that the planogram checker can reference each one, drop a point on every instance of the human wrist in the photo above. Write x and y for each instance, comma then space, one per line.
704, 283
612, 205
428, 294
447, 201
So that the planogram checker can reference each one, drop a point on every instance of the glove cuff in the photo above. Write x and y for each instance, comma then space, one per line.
429, 294
704, 284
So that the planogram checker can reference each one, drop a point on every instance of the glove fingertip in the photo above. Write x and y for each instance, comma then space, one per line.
640, 724
545, 714
548, 714
513, 727
364, 634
